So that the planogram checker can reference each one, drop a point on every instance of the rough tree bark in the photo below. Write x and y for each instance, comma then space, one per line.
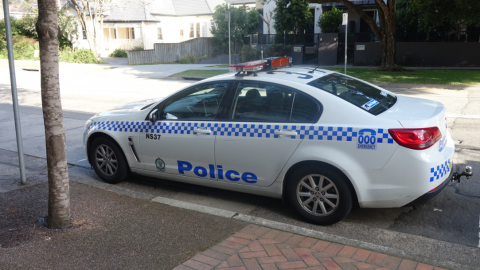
385, 33
95, 9
58, 183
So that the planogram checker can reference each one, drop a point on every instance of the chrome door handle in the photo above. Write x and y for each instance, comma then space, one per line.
285, 133
202, 131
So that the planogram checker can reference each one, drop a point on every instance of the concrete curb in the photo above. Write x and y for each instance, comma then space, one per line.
195, 207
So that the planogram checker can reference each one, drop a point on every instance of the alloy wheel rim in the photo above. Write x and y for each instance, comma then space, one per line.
106, 160
317, 195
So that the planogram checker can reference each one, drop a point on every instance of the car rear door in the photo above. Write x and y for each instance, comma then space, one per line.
259, 135
182, 141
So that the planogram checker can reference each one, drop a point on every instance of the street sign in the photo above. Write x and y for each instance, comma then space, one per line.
227, 15
345, 19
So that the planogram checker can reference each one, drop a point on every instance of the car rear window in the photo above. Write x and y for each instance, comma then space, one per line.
362, 95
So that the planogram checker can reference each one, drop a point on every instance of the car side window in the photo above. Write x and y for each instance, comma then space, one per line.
262, 102
305, 109
200, 103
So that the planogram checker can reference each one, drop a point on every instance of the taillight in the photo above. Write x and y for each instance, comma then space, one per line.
418, 138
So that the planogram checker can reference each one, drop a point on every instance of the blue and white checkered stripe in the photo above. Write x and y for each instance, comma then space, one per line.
330, 133
249, 130
309, 132
383, 136
159, 127
440, 171
186, 127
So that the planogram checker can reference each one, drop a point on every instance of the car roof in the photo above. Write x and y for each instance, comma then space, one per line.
295, 74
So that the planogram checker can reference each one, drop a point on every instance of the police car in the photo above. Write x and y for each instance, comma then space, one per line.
324, 141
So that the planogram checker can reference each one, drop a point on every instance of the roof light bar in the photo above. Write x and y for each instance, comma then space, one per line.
258, 65
248, 66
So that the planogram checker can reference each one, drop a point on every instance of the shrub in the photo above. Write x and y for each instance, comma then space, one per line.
118, 53
276, 50
23, 48
248, 53
137, 48
330, 20
189, 59
84, 56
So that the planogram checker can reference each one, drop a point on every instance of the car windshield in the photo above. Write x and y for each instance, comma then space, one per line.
362, 95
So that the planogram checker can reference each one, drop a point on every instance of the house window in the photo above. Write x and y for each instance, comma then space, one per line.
115, 33
133, 33
84, 34
181, 32
159, 33
198, 29
204, 29
192, 34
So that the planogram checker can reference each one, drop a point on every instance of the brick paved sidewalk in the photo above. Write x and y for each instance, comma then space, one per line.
257, 248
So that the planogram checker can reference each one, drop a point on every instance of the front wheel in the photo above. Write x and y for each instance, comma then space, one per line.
320, 195
108, 161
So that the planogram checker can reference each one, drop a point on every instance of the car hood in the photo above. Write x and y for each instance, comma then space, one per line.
130, 108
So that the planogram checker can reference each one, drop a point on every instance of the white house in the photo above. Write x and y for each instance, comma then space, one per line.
144, 23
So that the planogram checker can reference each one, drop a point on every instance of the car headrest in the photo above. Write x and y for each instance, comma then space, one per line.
252, 93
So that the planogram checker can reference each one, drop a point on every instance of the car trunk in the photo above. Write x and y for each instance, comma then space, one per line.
417, 113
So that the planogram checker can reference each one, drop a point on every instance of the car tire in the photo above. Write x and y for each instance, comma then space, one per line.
108, 161
333, 201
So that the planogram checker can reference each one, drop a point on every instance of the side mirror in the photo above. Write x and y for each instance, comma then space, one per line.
153, 116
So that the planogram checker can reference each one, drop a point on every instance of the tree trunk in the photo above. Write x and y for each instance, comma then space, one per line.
58, 183
385, 33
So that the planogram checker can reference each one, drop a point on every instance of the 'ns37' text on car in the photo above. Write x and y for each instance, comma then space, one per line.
320, 139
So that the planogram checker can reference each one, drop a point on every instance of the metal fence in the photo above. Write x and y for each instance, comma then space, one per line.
172, 52
458, 36
286, 39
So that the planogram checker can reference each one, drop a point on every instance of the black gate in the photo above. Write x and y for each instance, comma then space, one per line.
310, 54
341, 48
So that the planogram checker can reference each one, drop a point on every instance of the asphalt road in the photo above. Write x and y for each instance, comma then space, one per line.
453, 217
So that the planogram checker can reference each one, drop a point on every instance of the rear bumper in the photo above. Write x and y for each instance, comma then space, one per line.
430, 196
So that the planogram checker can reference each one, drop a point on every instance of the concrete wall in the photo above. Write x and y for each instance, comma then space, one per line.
327, 49
433, 54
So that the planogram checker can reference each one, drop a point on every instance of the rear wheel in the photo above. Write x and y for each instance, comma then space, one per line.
320, 195
108, 161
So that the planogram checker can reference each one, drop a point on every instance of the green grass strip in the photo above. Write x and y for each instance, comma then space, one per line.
200, 73
455, 77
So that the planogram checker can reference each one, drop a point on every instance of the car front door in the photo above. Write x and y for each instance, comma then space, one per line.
182, 141
264, 127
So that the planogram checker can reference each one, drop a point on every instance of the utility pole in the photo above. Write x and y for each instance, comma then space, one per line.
13, 83
228, 17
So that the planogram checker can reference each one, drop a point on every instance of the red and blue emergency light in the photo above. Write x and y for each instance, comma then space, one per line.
258, 65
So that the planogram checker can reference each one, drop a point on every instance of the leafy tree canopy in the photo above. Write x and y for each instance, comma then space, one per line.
291, 16
329, 22
437, 15
243, 22
26, 27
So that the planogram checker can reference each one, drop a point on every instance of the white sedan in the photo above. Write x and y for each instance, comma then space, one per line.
322, 140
